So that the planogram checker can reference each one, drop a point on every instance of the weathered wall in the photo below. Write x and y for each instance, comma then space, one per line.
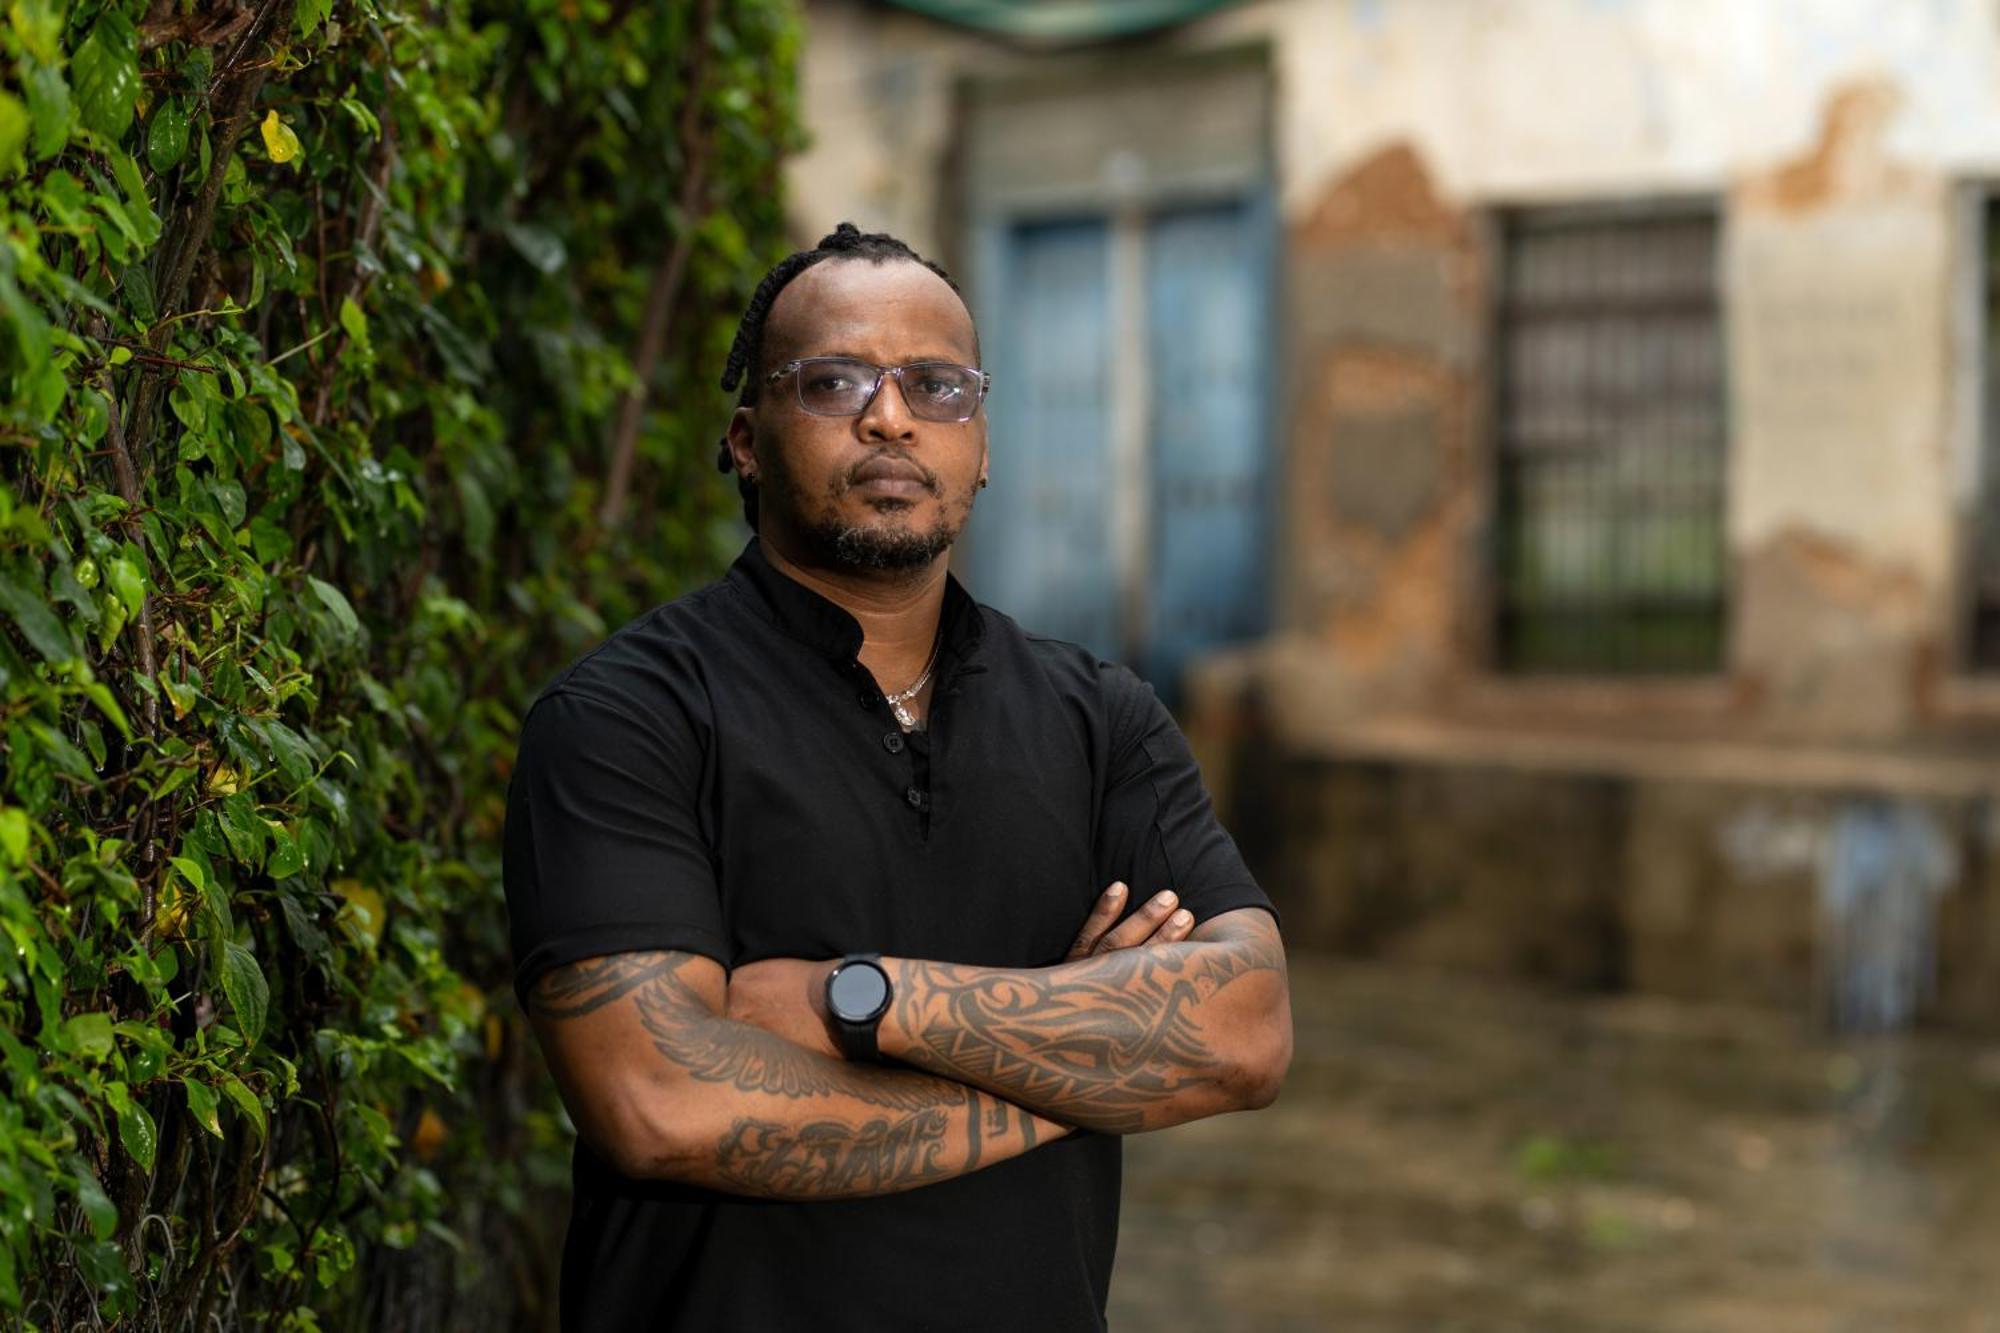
1754, 893
1833, 133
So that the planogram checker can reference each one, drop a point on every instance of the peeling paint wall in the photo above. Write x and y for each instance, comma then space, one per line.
1833, 135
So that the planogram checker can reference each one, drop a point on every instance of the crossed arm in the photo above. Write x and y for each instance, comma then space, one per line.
673, 1071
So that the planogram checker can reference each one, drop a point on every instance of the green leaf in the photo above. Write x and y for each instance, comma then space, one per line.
309, 15
191, 870
138, 1133
50, 112
361, 114
356, 323
287, 856
213, 893
89, 1034
127, 583
202, 1105
247, 1102
243, 829
106, 70
336, 601
48, 634
97, 1206
14, 834
538, 245
59, 751
249, 995
13, 132
138, 206
96, 692
167, 136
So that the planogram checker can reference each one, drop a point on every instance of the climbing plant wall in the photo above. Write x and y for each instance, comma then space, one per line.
357, 370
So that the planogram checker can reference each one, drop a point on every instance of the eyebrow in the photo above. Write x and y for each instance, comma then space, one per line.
945, 357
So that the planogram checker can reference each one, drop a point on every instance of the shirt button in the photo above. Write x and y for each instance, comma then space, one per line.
893, 742
915, 798
867, 700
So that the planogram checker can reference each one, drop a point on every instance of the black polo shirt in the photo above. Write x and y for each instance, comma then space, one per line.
723, 776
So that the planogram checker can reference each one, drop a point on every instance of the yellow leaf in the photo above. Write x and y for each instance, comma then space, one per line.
222, 780
361, 911
170, 919
279, 141
431, 1132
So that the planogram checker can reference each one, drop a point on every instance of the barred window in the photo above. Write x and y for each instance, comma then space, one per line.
1983, 583
1611, 433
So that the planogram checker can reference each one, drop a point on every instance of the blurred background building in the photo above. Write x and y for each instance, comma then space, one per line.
1542, 448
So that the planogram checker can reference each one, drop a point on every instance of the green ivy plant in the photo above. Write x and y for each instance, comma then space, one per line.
356, 371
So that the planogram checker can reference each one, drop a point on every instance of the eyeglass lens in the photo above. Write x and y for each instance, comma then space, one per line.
935, 391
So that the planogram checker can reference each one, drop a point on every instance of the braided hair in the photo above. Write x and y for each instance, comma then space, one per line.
746, 354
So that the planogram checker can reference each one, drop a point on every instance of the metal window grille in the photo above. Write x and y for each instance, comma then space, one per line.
1611, 433
1983, 637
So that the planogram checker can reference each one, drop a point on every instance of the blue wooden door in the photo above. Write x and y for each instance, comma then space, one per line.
1041, 546
1044, 547
1207, 315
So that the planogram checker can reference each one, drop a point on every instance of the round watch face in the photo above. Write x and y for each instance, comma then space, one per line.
858, 992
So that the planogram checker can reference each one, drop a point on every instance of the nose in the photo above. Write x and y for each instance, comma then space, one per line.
886, 416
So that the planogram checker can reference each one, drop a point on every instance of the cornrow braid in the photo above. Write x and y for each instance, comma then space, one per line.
746, 353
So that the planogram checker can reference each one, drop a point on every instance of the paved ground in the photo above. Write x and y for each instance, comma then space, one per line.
1450, 1156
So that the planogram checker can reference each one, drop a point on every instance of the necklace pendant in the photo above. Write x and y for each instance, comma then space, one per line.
903, 715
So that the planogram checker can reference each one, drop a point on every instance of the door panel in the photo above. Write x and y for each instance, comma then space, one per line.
1207, 331
1041, 549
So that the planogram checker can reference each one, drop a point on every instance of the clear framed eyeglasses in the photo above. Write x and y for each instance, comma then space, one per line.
841, 386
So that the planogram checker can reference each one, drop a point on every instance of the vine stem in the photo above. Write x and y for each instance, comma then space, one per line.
237, 93
667, 278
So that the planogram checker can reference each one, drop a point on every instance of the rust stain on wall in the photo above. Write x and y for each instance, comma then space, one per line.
1385, 320
1389, 196
1848, 162
1835, 572
1833, 640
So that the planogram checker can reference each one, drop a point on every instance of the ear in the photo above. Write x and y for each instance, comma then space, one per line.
742, 440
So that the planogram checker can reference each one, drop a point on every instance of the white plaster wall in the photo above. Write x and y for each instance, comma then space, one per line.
1505, 99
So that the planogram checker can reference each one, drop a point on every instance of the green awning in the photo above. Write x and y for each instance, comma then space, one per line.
1063, 20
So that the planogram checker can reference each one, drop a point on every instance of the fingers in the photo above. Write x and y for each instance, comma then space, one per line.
1154, 923
1109, 904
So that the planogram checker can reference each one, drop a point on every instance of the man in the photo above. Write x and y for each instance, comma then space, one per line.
796, 864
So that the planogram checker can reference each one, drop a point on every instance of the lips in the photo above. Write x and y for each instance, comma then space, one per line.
893, 473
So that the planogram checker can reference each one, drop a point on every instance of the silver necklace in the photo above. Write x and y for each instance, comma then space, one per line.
898, 702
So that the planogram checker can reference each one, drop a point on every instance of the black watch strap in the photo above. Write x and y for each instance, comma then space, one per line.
854, 1030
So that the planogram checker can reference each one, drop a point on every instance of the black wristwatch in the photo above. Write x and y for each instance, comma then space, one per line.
857, 995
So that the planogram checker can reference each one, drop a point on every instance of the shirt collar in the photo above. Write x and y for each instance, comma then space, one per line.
825, 626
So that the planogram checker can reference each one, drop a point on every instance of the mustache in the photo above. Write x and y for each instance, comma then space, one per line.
853, 475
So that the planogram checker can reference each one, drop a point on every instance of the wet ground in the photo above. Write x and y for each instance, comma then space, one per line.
1450, 1155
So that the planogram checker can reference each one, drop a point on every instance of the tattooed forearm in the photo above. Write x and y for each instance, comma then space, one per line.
585, 987
711, 1048
1104, 1043
834, 1159
651, 1071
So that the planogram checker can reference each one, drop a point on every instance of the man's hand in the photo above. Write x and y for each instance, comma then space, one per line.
787, 996
1155, 923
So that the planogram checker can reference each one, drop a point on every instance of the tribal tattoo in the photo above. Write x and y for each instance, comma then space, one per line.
1097, 1043
708, 1046
906, 1129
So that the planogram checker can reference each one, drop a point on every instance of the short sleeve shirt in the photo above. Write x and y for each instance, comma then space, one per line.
723, 776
